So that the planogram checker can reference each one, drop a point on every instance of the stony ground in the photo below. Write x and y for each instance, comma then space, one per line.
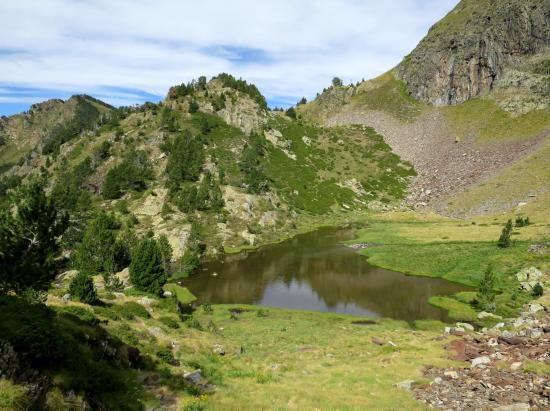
507, 370
444, 165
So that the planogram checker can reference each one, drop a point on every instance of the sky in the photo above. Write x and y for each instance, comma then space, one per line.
127, 52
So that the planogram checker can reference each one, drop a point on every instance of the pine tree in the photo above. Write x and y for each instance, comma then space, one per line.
216, 197
486, 294
203, 193
96, 252
146, 270
165, 251
30, 227
504, 240
291, 113
82, 287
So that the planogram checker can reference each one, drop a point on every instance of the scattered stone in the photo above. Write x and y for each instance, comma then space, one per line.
483, 315
66, 297
516, 366
535, 308
451, 374
378, 341
167, 294
405, 385
529, 278
513, 407
476, 362
465, 326
510, 340
218, 349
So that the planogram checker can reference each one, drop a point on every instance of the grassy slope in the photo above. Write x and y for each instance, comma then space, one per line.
455, 250
278, 359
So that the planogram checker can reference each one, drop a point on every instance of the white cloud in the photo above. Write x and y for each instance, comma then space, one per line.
288, 48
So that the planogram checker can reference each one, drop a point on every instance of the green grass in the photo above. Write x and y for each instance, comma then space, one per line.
182, 294
416, 247
484, 120
12, 396
458, 310
391, 96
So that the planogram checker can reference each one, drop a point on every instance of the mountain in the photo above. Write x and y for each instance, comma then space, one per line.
469, 108
474, 49
158, 165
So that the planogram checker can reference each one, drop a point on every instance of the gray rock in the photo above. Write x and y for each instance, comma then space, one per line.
479, 361
405, 385
513, 407
483, 315
465, 326
218, 349
529, 278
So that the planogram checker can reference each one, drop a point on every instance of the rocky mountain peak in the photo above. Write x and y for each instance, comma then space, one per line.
465, 53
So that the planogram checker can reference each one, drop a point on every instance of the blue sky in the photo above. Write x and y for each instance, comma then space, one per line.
130, 51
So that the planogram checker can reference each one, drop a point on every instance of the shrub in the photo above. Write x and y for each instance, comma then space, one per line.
291, 113
131, 174
504, 240
193, 107
522, 221
170, 322
538, 290
485, 298
146, 270
79, 312
165, 355
131, 310
82, 287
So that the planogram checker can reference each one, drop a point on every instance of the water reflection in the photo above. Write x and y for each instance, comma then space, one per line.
315, 272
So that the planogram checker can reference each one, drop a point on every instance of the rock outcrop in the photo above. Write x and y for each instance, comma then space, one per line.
464, 54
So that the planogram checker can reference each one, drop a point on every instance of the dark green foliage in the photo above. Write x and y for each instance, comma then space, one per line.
186, 198
193, 107
485, 298
86, 115
291, 113
190, 260
182, 90
98, 250
82, 288
504, 240
216, 197
251, 165
79, 312
302, 101
538, 290
30, 226
542, 67
146, 270
218, 102
522, 221
31, 329
337, 82
165, 355
131, 310
7, 183
203, 193
170, 322
165, 252
103, 151
55, 344
186, 159
70, 184
241, 85
207, 308
131, 174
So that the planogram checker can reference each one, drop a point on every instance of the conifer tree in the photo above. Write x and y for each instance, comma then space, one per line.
146, 269
504, 240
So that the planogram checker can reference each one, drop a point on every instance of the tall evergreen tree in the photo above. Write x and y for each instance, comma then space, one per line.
505, 240
146, 269
96, 253
30, 227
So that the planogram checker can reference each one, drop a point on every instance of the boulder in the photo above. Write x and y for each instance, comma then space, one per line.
529, 278
481, 361
483, 315
405, 385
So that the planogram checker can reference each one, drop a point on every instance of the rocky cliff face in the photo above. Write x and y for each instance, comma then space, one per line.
465, 53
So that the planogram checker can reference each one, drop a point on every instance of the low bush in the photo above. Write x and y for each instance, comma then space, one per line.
131, 310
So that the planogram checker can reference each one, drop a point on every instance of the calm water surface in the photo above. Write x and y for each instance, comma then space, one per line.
315, 271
